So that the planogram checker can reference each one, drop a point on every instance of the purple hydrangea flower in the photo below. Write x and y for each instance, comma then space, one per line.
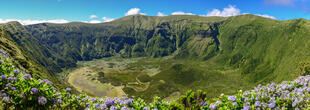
246, 107
68, 89
308, 89
257, 103
21, 96
13, 88
113, 108
1, 61
16, 71
34, 90
6, 99
109, 101
218, 102
59, 101
256, 98
3, 76
246, 93
232, 98
235, 104
8, 85
265, 95
122, 102
103, 107
10, 78
14, 79
4, 95
54, 100
129, 101
212, 106
42, 100
40, 81
46, 81
97, 105
93, 99
264, 105
204, 103
272, 105
125, 108
242, 99
84, 99
27, 77
145, 108
101, 99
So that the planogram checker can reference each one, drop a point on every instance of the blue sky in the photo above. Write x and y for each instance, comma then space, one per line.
95, 11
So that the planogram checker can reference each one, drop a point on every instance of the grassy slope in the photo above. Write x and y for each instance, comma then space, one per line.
15, 44
265, 49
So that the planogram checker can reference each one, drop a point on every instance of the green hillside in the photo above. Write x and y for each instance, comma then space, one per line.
18, 45
132, 36
216, 54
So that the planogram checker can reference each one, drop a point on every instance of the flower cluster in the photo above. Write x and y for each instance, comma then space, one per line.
286, 95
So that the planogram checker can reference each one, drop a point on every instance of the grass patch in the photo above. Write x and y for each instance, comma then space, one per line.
173, 76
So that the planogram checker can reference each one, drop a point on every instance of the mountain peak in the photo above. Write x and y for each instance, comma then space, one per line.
14, 22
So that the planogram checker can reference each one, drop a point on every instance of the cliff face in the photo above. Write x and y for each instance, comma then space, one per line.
132, 36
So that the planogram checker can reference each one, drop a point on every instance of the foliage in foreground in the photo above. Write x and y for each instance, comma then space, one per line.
19, 90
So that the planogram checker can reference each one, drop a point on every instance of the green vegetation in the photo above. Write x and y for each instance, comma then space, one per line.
21, 91
178, 76
15, 45
215, 54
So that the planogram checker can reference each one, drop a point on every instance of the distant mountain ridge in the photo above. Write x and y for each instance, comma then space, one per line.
131, 36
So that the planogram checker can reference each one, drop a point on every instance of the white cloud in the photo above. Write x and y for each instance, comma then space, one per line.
134, 11
232, 11
29, 22
161, 14
106, 19
94, 21
57, 21
266, 16
228, 11
93, 16
181, 13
